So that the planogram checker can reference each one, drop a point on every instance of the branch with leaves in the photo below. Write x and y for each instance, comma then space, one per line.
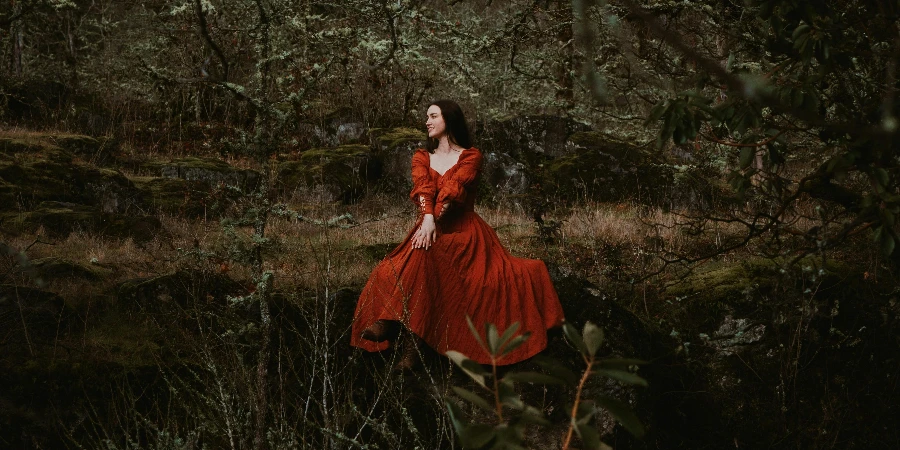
512, 415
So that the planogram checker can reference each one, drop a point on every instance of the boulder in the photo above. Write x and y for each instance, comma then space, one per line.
36, 171
603, 168
544, 134
343, 172
30, 317
53, 268
395, 148
340, 127
181, 197
208, 170
178, 289
61, 218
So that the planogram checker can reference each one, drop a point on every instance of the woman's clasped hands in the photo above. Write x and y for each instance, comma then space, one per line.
426, 234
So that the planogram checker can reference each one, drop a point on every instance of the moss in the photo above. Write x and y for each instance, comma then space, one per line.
208, 170
52, 268
345, 170
395, 137
608, 144
176, 196
60, 219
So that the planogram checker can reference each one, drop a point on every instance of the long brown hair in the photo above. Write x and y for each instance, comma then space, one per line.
455, 121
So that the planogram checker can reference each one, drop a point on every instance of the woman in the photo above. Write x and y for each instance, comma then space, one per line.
452, 265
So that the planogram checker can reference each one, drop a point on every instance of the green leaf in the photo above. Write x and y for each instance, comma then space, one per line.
508, 395
508, 334
887, 243
593, 337
623, 376
623, 414
656, 113
473, 398
533, 377
474, 332
556, 369
515, 343
746, 159
534, 415
575, 338
471, 436
881, 176
471, 368
589, 436
493, 337
799, 31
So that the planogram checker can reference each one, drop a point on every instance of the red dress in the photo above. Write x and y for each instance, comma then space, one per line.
465, 272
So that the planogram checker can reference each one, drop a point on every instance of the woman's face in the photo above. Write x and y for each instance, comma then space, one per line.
435, 123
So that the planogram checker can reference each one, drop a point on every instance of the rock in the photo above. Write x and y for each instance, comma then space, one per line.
602, 168
99, 151
32, 172
208, 170
181, 197
546, 135
394, 147
53, 268
30, 317
61, 218
181, 289
340, 128
502, 173
343, 172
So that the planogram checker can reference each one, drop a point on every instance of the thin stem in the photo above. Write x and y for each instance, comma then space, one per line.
574, 414
497, 402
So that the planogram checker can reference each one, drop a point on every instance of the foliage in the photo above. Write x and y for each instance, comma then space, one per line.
512, 415
803, 108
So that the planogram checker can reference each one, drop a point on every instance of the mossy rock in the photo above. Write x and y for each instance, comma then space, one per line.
53, 268
343, 171
61, 218
208, 170
39, 316
602, 168
94, 150
541, 134
179, 197
53, 176
180, 288
394, 148
387, 139
99, 151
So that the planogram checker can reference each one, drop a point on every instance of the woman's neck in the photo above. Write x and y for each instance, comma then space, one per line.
444, 146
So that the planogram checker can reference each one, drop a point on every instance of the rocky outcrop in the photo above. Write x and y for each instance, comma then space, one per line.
343, 172
545, 135
207, 170
61, 218
178, 289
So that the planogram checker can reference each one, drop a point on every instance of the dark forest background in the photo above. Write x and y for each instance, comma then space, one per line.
192, 194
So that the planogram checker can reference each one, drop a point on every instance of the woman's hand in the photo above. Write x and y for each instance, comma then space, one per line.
426, 234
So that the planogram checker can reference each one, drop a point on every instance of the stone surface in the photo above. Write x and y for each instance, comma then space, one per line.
343, 172
209, 170
546, 135
61, 218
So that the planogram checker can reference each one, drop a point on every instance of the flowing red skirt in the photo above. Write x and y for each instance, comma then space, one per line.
467, 272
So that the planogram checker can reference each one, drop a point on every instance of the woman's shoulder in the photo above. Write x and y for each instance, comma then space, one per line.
470, 153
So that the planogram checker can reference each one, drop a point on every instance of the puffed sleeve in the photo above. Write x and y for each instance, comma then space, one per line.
455, 188
424, 189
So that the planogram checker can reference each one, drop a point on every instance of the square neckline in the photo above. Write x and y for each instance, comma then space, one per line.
458, 158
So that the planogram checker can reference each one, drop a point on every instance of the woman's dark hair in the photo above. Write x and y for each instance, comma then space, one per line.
457, 130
